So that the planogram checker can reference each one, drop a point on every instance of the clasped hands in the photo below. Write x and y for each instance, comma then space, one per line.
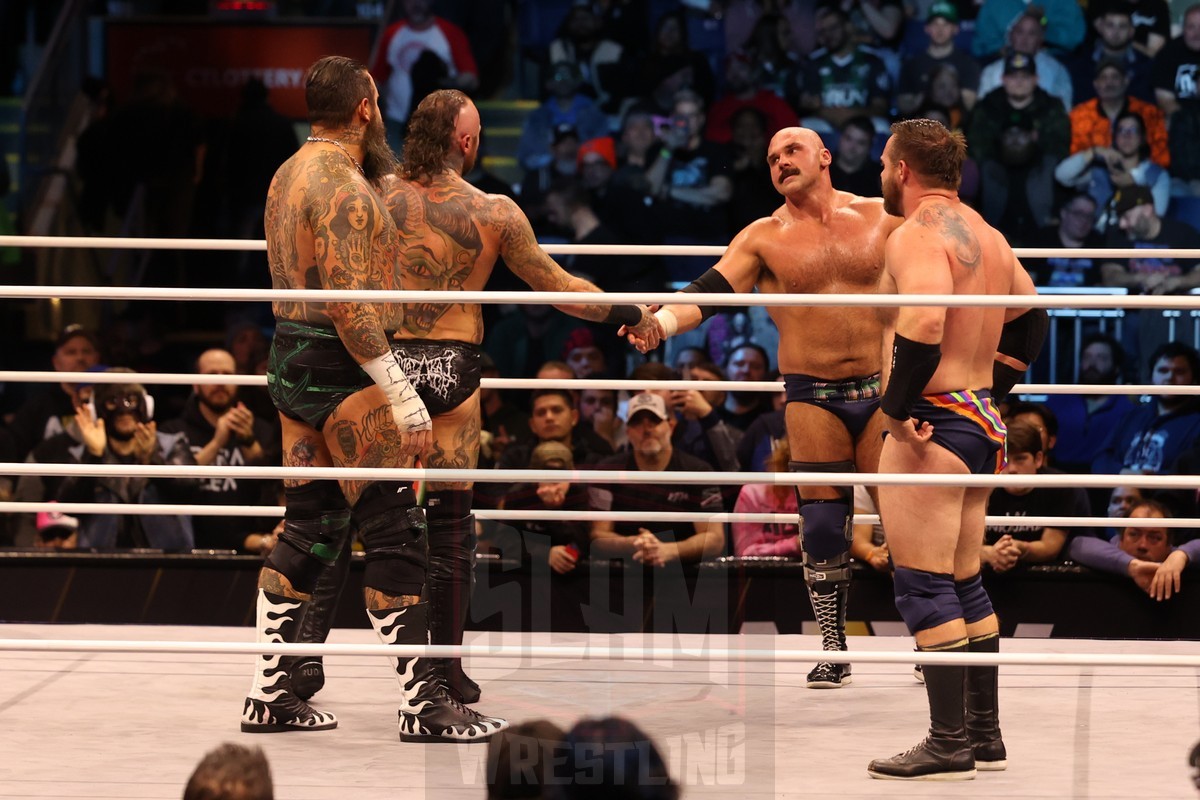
652, 551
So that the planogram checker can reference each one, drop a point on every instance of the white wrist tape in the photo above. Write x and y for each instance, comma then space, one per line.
670, 323
407, 407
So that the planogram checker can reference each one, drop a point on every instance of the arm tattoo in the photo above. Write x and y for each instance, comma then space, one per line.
949, 224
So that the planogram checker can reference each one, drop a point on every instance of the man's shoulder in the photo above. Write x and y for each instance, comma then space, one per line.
686, 462
614, 462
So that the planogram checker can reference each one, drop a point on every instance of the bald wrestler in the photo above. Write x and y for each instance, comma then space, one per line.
948, 369
819, 241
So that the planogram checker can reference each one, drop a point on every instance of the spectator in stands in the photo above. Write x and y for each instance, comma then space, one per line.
853, 169
1007, 544
1177, 92
1038, 417
690, 179
1093, 122
598, 408
941, 26
639, 148
1085, 420
1062, 21
1150, 438
671, 65
768, 538
536, 183
687, 357
699, 430
754, 195
611, 758
1027, 37
223, 432
565, 107
746, 362
417, 55
48, 412
521, 341
555, 418
1122, 501
773, 48
117, 428
231, 772
743, 89
1100, 171
1151, 23
1146, 555
868, 543
1114, 42
520, 760
581, 41
842, 79
1018, 135
581, 354
502, 422
1138, 225
1074, 228
559, 543
655, 544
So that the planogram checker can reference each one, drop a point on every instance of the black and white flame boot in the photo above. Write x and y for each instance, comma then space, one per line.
427, 713
272, 706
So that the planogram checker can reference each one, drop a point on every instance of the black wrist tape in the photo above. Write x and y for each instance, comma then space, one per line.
913, 364
624, 315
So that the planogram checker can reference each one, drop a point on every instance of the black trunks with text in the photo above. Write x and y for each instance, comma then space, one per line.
444, 372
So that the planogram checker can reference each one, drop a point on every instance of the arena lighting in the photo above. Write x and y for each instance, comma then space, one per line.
243, 5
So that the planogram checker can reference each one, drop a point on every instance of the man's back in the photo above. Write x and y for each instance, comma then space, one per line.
449, 235
325, 228
980, 262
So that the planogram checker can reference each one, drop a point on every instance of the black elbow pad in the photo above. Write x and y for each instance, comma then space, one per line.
711, 282
1022, 338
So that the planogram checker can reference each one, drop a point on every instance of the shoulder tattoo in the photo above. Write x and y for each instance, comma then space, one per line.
948, 223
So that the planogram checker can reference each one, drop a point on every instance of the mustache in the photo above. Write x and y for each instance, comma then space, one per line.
787, 172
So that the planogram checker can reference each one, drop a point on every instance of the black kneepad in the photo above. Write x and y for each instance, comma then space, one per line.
392, 528
316, 522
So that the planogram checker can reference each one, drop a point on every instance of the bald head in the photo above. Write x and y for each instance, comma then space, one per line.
798, 159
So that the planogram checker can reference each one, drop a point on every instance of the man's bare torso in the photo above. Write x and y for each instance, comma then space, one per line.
449, 241
325, 228
981, 262
840, 255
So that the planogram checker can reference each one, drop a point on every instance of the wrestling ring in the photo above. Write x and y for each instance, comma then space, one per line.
126, 711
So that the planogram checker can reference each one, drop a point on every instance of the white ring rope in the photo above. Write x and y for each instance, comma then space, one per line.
506, 515
1189, 482
616, 384
604, 653
1186, 302
138, 243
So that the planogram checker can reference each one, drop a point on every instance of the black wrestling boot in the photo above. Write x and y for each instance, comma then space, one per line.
983, 715
427, 713
829, 600
450, 579
272, 706
945, 754
308, 672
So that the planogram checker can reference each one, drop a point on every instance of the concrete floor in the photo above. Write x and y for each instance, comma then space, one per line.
134, 726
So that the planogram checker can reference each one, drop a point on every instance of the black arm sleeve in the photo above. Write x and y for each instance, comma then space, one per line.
711, 282
1022, 337
913, 364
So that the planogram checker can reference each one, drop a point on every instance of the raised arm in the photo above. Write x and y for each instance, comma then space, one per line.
529, 262
737, 271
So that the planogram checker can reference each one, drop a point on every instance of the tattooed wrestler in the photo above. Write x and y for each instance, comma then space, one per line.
819, 241
450, 236
344, 400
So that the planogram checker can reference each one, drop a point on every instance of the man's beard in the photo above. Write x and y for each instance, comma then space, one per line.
1096, 376
891, 200
217, 408
113, 431
378, 158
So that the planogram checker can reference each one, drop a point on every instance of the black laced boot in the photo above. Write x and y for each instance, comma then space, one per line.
427, 713
983, 715
829, 601
308, 672
272, 706
945, 754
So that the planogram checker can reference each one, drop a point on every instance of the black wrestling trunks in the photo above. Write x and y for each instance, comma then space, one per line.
852, 400
444, 372
310, 373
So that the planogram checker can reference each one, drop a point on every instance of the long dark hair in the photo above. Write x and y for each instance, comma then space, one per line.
431, 133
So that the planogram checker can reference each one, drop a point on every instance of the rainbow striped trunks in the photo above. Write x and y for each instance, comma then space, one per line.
968, 424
